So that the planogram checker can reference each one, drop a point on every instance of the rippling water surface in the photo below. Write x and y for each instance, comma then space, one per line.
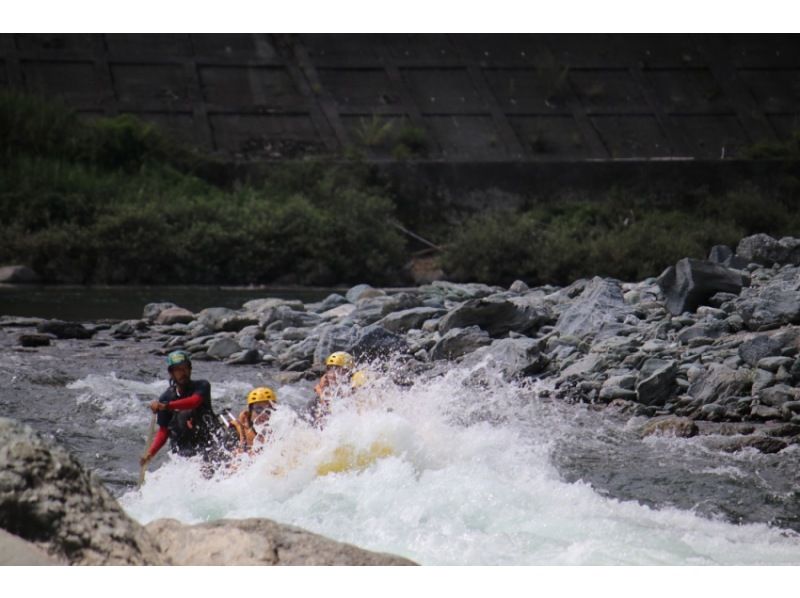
482, 474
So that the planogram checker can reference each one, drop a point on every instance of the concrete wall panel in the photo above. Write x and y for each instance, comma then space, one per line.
143, 82
556, 137
74, 82
243, 86
632, 136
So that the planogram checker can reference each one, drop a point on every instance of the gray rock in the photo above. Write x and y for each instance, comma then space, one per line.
34, 340
237, 322
362, 291
495, 316
597, 312
128, 328
679, 427
513, 357
18, 275
341, 311
247, 357
212, 317
763, 249
724, 256
61, 329
772, 364
151, 310
257, 542
518, 286
283, 316
15, 551
331, 339
611, 392
707, 329
713, 412
459, 341
375, 341
457, 292
47, 498
778, 395
222, 347
756, 348
331, 301
765, 413
259, 306
761, 380
408, 319
657, 382
773, 306
691, 283
174, 315
718, 382
763, 444
15, 322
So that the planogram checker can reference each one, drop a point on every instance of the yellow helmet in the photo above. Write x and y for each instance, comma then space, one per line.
341, 359
260, 395
358, 379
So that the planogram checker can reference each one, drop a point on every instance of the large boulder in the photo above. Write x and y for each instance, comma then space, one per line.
599, 311
763, 249
495, 316
691, 283
460, 341
362, 291
223, 347
375, 341
18, 275
513, 357
408, 319
657, 381
718, 382
174, 315
334, 338
212, 317
52, 512
151, 310
257, 542
775, 304
48, 499
758, 347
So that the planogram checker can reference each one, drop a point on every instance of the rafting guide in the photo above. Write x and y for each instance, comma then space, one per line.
185, 416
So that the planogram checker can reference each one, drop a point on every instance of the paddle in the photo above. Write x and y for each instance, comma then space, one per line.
151, 432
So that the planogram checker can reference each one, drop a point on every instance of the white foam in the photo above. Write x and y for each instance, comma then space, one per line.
470, 481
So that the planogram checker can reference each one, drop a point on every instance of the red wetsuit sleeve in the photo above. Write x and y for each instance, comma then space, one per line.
159, 440
190, 402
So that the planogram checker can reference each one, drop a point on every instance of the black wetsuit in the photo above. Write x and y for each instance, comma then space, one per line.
191, 431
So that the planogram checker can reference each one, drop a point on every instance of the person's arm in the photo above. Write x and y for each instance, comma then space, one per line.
158, 441
190, 402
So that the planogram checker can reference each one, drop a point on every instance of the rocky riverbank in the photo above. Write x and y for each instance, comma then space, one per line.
710, 348
709, 342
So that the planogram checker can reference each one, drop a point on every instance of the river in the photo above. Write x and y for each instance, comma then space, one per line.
489, 473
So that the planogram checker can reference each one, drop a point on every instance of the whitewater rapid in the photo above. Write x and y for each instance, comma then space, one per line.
470, 480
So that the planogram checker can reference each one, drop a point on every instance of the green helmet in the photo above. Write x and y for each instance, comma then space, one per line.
177, 358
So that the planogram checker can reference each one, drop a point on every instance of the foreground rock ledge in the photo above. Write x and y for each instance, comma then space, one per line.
56, 513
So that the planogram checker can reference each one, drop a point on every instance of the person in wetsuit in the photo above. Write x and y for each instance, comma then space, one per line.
253, 421
185, 415
339, 380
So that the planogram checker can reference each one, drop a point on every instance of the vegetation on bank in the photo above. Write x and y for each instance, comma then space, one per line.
115, 201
